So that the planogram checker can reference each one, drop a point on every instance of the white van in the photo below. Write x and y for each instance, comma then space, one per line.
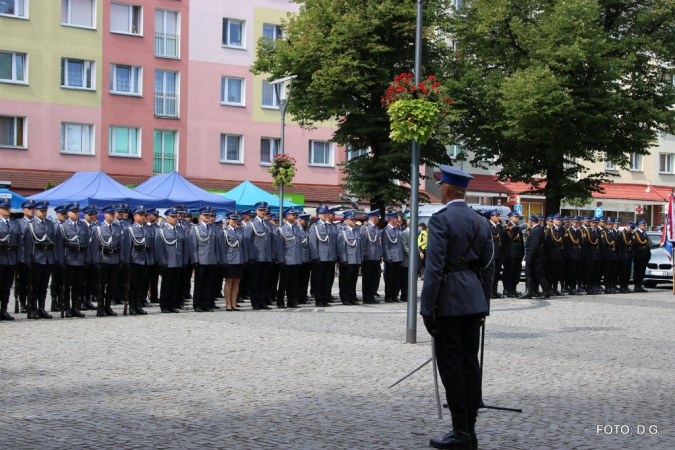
428, 209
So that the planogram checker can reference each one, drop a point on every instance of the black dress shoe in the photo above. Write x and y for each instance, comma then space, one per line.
256, 308
44, 314
4, 315
526, 295
376, 294
173, 310
281, 307
108, 311
140, 311
165, 311
198, 309
23, 310
265, 307
293, 305
35, 315
188, 296
84, 307
76, 313
69, 313
214, 307
496, 294
346, 303
354, 302
90, 305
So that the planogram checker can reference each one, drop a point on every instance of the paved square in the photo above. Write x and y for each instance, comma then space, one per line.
317, 378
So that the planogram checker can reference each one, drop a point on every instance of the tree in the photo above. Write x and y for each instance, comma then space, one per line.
548, 86
345, 53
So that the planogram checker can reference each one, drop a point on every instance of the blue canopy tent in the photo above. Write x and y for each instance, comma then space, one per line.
248, 194
173, 189
16, 199
95, 188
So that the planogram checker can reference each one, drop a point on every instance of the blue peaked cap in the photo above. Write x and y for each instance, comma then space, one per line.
454, 176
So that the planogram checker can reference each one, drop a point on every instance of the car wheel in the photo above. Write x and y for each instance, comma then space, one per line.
650, 284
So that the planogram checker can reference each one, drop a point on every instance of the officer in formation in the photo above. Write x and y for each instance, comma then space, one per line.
497, 231
535, 259
392, 252
106, 248
641, 255
350, 257
515, 252
11, 254
289, 254
553, 243
171, 251
323, 255
262, 248
372, 256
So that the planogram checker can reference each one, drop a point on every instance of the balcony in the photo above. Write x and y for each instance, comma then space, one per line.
167, 45
166, 105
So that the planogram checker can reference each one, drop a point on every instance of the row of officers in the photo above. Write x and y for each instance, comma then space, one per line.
564, 255
121, 258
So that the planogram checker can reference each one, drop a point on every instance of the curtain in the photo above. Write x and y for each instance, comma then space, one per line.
265, 156
233, 148
123, 78
119, 18
235, 33
18, 61
7, 130
74, 138
75, 69
234, 90
121, 140
268, 94
6, 66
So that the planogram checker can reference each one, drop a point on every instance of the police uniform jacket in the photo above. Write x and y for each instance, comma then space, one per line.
23, 223
40, 242
349, 246
289, 245
232, 246
203, 244
497, 231
262, 240
405, 242
534, 245
608, 245
592, 244
624, 244
641, 248
392, 247
122, 223
137, 245
170, 247
334, 230
370, 242
554, 243
516, 248
304, 239
75, 250
275, 240
106, 244
320, 245
185, 225
572, 244
11, 243
458, 292
248, 240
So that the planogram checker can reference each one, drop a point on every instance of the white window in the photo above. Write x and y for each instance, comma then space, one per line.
351, 154
126, 80
269, 96
12, 131
13, 67
233, 33
272, 32
232, 91
164, 152
77, 74
14, 8
125, 141
636, 162
269, 148
166, 93
77, 138
666, 162
78, 13
126, 19
167, 39
453, 150
320, 153
610, 165
231, 146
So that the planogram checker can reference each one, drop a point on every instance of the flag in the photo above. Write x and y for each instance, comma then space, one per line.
668, 233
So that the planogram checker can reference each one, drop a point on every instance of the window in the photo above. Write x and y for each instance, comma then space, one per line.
453, 151
269, 148
78, 13
77, 138
12, 66
14, 8
232, 91
269, 96
164, 153
167, 39
166, 98
233, 33
272, 32
126, 18
610, 165
125, 80
231, 148
77, 74
351, 154
125, 141
320, 153
12, 131
666, 163
636, 162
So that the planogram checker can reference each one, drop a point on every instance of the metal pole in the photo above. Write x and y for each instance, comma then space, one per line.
283, 105
411, 330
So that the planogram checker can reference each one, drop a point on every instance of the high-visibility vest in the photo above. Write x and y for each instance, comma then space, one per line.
419, 240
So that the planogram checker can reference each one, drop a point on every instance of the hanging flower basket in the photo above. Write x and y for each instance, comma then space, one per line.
282, 170
415, 111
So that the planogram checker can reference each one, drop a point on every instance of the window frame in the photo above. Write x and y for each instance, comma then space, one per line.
164, 12
223, 138
670, 159
331, 155
227, 20
92, 78
17, 16
358, 153
631, 168
25, 68
176, 94
113, 79
224, 88
278, 32
94, 14
24, 133
131, 7
111, 142
458, 151
92, 134
274, 96
272, 153
175, 149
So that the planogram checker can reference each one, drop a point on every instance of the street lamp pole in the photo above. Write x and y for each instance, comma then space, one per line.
283, 105
411, 328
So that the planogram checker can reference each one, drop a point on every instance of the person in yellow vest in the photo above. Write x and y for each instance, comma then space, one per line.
422, 246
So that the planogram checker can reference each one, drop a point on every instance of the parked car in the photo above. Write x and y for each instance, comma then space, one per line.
660, 266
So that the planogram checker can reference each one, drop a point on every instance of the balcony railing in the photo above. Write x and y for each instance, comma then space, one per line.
166, 105
167, 45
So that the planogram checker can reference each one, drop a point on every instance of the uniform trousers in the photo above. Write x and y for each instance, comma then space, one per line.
303, 286
457, 354
511, 277
370, 279
392, 279
404, 283
498, 262
203, 295
138, 289
6, 280
91, 283
555, 267
216, 286
571, 275
623, 269
258, 282
321, 284
74, 283
610, 269
55, 289
153, 277
272, 283
592, 269
40, 277
289, 280
640, 265
110, 286
244, 284
349, 276
534, 273
171, 295
23, 281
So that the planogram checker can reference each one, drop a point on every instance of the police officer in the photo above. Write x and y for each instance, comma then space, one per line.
203, 246
334, 228
153, 273
75, 255
57, 273
515, 251
323, 258
555, 253
90, 213
392, 252
497, 231
138, 256
233, 255
302, 226
609, 256
184, 223
455, 299
594, 258
275, 268
262, 252
534, 260
350, 257
106, 248
573, 256
624, 243
172, 256
11, 254
641, 255
613, 228
289, 253
123, 273
244, 284
23, 272
372, 256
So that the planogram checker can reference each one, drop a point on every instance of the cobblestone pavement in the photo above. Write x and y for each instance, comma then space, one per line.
317, 378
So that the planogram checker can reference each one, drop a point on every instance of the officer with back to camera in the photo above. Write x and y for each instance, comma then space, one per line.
11, 254
455, 299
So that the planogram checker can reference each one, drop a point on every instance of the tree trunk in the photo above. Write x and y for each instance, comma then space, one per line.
554, 180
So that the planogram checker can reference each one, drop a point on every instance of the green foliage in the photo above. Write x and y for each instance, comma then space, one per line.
548, 87
413, 120
282, 169
49, 185
578, 202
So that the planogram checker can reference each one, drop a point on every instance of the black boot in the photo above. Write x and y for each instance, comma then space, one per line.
132, 307
4, 315
473, 415
529, 290
496, 294
22, 306
459, 438
90, 305
555, 291
76, 313
107, 310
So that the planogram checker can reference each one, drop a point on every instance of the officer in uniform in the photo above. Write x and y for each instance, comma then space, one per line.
573, 256
153, 273
497, 231
613, 228
350, 257
39, 242
392, 252
75, 255
106, 248
275, 268
11, 254
334, 229
289, 255
641, 255
609, 256
594, 258
123, 274
323, 258
244, 284
306, 269
534, 260
372, 256
138, 256
624, 243
455, 299
515, 251
172, 256
233, 256
263, 254
555, 253
186, 274
23, 272
57, 274
204, 245
91, 274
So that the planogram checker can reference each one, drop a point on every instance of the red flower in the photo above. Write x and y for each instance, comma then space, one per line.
412, 88
406, 81
431, 77
410, 75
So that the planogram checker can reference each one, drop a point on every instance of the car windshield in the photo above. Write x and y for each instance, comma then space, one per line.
654, 240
